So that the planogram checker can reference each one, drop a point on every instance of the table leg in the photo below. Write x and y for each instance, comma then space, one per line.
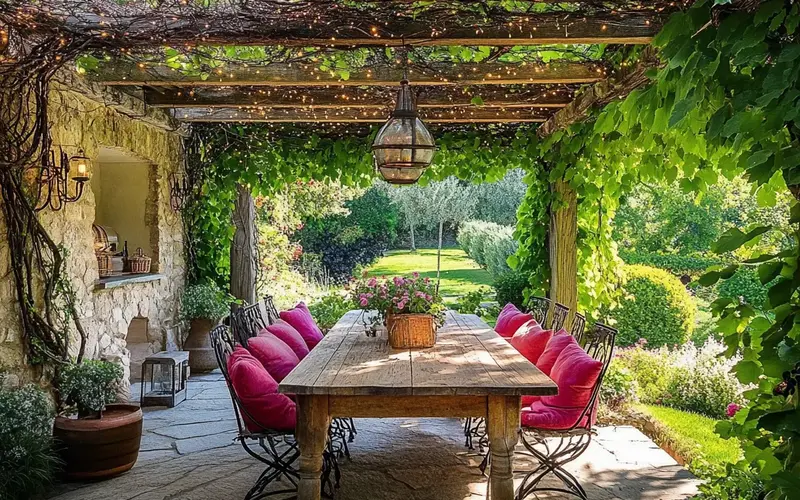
502, 424
312, 434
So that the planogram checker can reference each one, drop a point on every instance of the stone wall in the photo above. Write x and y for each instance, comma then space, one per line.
78, 121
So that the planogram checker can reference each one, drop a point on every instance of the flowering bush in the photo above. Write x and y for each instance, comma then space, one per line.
205, 301
90, 385
687, 378
619, 386
329, 309
398, 295
27, 459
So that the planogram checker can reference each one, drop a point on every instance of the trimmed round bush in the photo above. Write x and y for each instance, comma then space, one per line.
656, 307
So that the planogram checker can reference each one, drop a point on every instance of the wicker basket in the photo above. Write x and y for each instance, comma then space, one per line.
139, 262
104, 263
410, 330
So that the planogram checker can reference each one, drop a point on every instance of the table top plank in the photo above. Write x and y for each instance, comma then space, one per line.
469, 358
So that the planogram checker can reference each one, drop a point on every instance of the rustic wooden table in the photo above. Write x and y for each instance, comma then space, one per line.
470, 372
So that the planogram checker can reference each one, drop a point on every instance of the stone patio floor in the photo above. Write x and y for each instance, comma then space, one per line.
187, 453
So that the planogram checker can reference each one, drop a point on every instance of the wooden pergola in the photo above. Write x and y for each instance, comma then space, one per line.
302, 90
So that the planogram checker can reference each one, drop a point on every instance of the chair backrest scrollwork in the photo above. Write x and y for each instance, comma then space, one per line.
578, 326
599, 344
247, 321
539, 307
560, 313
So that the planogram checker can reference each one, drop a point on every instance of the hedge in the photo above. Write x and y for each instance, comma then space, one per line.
692, 265
655, 306
488, 244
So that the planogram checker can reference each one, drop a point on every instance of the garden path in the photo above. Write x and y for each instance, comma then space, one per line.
187, 453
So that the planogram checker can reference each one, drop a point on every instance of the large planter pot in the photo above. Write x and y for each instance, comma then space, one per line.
99, 448
410, 330
198, 344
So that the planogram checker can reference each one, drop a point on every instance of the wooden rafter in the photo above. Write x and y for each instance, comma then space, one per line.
353, 97
276, 75
348, 115
601, 94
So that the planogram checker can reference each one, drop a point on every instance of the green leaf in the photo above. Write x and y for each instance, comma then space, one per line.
476, 100
747, 371
768, 271
734, 238
780, 293
709, 278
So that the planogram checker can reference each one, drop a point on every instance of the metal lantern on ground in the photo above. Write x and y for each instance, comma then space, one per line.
404, 147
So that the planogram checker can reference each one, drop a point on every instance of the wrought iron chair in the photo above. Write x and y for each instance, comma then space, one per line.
565, 445
248, 320
539, 307
560, 313
278, 449
578, 326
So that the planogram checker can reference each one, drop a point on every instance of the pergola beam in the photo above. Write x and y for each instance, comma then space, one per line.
309, 75
351, 115
350, 97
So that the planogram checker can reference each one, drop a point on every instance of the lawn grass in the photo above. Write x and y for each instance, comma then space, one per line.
692, 435
460, 274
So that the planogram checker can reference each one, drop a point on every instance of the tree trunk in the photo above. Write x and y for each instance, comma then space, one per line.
413, 242
243, 249
563, 246
439, 257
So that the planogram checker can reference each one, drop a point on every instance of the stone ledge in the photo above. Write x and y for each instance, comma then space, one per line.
118, 281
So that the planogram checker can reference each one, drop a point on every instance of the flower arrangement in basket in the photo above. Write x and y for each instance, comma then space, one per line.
409, 306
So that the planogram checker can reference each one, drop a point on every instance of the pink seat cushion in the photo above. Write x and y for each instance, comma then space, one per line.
555, 345
509, 320
542, 416
529, 400
301, 320
258, 393
277, 357
530, 340
290, 337
575, 373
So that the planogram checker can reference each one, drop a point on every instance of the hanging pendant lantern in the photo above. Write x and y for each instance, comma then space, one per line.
404, 147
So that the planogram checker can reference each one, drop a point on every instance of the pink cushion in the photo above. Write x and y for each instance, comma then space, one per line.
529, 400
258, 393
277, 357
575, 373
300, 318
530, 340
542, 416
555, 345
509, 320
290, 337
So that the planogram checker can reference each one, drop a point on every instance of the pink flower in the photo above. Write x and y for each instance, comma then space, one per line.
415, 274
398, 281
372, 282
732, 409
420, 294
428, 298
401, 305
364, 302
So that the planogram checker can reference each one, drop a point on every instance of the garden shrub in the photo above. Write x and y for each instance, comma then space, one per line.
488, 244
619, 386
655, 306
470, 303
329, 309
688, 377
510, 288
27, 459
677, 264
744, 284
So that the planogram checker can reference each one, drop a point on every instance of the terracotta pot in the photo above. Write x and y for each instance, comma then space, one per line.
198, 343
410, 330
99, 448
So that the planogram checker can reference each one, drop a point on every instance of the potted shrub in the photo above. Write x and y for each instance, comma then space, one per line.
410, 308
27, 460
95, 437
204, 305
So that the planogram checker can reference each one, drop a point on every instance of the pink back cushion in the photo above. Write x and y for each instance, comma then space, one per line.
290, 337
576, 374
529, 400
530, 340
542, 416
258, 393
277, 357
555, 345
300, 318
509, 320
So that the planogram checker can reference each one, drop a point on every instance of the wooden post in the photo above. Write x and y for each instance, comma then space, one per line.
243, 248
563, 246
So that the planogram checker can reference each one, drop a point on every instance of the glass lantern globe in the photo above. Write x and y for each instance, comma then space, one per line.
80, 165
403, 147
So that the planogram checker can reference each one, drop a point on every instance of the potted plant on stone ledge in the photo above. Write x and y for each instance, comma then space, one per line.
103, 439
204, 305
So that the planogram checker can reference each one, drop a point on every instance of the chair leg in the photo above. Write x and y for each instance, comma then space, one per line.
279, 464
551, 460
475, 431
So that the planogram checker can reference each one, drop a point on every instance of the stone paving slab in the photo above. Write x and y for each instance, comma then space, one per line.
188, 453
